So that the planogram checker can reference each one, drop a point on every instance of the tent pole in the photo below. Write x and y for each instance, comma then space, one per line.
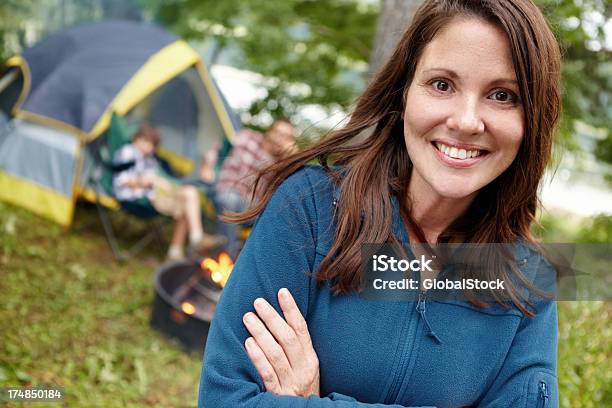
8, 79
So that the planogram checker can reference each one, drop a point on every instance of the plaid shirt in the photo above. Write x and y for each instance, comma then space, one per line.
240, 168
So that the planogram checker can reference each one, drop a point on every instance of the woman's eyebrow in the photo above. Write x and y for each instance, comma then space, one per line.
505, 81
445, 71
453, 75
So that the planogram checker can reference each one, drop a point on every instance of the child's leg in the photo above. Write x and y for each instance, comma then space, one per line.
191, 211
179, 236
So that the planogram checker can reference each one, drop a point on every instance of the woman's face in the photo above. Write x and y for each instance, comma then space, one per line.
463, 122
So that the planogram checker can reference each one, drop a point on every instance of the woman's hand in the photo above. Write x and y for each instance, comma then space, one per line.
281, 349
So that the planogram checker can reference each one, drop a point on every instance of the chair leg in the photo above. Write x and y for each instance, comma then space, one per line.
140, 245
113, 242
123, 255
109, 233
158, 229
156, 234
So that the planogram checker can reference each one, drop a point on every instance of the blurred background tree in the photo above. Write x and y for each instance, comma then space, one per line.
314, 52
13, 13
587, 60
580, 26
393, 18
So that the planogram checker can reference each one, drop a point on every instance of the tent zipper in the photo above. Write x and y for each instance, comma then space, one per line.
420, 307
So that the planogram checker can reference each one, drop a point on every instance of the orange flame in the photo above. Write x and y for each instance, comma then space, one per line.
188, 308
220, 269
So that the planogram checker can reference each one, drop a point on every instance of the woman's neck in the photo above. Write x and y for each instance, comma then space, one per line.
432, 212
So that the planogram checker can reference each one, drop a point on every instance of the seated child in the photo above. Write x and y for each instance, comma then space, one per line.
143, 181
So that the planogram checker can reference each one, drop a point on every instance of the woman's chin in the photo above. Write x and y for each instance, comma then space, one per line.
457, 191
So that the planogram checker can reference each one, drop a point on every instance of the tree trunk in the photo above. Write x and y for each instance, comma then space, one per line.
121, 10
395, 15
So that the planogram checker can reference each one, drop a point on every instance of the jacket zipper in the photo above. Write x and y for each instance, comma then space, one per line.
404, 360
543, 394
421, 309
401, 371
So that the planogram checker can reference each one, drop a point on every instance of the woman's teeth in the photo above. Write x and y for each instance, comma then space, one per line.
457, 153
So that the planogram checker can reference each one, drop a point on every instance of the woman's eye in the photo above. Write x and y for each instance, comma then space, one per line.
441, 85
504, 96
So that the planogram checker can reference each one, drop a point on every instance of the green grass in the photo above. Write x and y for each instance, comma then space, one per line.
71, 316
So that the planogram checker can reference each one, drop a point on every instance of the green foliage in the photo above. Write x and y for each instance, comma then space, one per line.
13, 14
554, 229
597, 230
306, 46
587, 66
604, 148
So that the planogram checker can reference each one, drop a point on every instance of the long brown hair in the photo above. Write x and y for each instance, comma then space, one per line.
377, 166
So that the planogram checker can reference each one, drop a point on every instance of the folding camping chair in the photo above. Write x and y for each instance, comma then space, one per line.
118, 135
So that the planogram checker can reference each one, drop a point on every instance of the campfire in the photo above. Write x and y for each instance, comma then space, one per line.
215, 270
187, 295
219, 269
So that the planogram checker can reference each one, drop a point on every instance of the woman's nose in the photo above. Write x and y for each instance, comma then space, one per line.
465, 117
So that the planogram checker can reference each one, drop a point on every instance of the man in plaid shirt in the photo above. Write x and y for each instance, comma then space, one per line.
251, 152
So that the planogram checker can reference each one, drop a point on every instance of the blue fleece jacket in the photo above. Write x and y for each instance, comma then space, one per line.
372, 353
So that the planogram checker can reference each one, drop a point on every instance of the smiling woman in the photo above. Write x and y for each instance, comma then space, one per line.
463, 100
461, 121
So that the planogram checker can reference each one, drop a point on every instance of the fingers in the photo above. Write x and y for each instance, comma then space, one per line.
294, 317
276, 347
273, 351
263, 366
308, 360
281, 331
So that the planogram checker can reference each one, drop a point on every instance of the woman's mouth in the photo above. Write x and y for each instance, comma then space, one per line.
458, 157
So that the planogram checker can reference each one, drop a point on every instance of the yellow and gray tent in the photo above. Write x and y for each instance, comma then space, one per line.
58, 97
